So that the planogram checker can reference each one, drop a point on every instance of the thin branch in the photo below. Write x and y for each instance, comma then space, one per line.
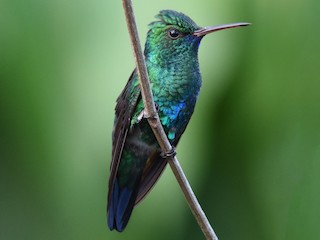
153, 119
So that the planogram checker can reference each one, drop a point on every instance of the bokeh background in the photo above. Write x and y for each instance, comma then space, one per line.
251, 150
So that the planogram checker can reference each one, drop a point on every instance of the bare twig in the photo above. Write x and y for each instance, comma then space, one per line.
156, 126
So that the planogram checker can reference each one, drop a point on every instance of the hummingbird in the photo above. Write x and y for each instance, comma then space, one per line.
171, 55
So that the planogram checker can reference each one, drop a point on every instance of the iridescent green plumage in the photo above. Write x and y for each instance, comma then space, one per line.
171, 54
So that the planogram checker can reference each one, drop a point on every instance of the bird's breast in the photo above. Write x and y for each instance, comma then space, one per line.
176, 102
175, 86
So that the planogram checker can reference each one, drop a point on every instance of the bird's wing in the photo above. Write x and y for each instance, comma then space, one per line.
126, 104
151, 173
125, 107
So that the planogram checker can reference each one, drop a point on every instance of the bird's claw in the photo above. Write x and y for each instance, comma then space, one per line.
169, 154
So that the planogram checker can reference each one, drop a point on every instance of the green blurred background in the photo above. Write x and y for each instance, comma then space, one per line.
251, 150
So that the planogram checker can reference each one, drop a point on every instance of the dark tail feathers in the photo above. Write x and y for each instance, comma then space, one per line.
120, 207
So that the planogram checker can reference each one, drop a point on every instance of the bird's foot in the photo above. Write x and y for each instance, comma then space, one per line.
169, 154
143, 114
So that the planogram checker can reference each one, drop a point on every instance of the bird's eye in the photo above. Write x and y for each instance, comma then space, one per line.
174, 33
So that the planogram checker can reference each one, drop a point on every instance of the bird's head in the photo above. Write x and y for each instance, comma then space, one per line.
175, 36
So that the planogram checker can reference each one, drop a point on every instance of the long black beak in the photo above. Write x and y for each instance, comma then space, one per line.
207, 30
